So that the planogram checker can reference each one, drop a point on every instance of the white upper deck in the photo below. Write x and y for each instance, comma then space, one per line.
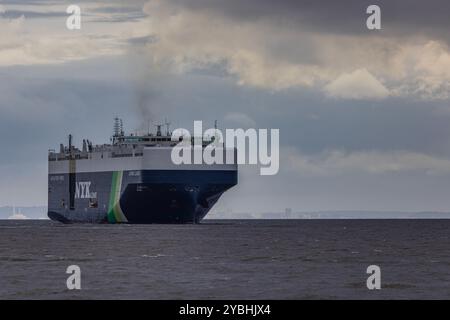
128, 152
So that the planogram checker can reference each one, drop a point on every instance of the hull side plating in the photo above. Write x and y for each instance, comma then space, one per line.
137, 196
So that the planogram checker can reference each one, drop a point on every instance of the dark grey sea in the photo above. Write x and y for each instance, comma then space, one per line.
227, 259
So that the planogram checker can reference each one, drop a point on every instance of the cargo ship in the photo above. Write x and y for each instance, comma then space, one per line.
132, 180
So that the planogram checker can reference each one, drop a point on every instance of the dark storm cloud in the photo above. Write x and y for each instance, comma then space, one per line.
104, 13
118, 13
329, 16
120, 18
24, 2
117, 9
140, 41
14, 14
399, 17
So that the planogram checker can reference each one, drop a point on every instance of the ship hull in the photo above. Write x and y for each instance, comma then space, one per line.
136, 196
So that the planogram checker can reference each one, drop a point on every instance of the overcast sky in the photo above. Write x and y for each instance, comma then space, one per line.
364, 115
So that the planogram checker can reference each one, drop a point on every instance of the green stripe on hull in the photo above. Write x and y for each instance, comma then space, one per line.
115, 214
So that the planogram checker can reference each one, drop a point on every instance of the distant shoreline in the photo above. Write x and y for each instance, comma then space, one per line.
40, 213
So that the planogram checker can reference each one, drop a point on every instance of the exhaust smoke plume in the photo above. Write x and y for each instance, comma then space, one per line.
144, 75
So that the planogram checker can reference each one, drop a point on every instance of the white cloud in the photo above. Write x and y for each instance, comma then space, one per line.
2, 9
425, 71
47, 41
373, 162
192, 39
265, 53
359, 84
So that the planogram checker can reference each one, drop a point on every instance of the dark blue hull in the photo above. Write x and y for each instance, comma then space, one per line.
153, 196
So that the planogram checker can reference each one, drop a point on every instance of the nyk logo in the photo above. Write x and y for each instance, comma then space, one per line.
82, 190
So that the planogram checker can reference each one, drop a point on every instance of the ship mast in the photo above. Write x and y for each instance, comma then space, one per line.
167, 127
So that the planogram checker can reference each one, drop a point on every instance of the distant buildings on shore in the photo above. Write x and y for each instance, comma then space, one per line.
289, 214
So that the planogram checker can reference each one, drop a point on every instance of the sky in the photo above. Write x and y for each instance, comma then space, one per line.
363, 114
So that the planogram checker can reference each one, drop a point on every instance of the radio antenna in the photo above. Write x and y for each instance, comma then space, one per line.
167, 127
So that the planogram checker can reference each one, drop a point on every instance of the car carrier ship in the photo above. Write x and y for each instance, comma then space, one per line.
132, 180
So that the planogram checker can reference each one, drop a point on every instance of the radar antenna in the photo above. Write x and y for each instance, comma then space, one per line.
118, 127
